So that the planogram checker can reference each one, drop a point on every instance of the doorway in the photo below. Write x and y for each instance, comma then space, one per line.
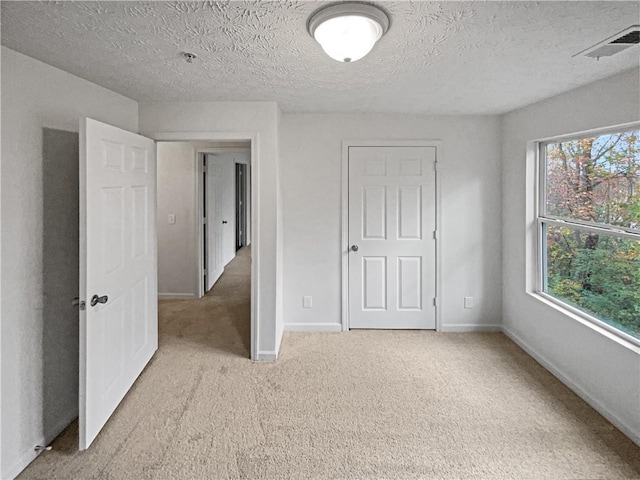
197, 225
127, 202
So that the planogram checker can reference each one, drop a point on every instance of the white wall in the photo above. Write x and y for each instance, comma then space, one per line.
470, 238
177, 244
602, 370
261, 119
34, 96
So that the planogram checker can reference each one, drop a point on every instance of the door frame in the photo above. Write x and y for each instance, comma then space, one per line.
200, 243
346, 144
252, 137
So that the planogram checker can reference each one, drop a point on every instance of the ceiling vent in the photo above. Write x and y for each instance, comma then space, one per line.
614, 44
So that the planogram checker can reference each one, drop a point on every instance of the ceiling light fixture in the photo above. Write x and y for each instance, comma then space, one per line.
348, 31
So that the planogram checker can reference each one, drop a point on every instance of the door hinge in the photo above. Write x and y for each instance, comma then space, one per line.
204, 220
77, 303
204, 271
435, 166
435, 301
204, 169
435, 234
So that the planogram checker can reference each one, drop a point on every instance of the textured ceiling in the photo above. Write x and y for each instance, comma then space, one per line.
438, 57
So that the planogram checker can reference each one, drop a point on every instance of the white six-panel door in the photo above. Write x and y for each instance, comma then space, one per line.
118, 266
215, 263
392, 193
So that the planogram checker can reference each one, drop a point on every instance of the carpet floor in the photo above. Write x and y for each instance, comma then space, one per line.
353, 405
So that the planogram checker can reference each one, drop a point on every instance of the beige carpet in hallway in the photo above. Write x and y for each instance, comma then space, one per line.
357, 405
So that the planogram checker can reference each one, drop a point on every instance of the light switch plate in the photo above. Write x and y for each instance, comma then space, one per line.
307, 302
172, 219
468, 302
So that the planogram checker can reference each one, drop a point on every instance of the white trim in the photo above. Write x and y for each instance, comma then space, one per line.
279, 339
346, 144
177, 296
200, 244
344, 243
622, 127
620, 337
611, 230
577, 389
470, 327
439, 233
202, 136
215, 150
312, 327
254, 138
266, 356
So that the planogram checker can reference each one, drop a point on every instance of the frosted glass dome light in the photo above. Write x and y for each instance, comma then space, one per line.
348, 31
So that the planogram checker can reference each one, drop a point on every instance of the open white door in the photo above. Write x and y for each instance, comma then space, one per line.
215, 263
118, 268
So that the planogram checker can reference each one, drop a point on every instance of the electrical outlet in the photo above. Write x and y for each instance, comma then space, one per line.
468, 302
307, 302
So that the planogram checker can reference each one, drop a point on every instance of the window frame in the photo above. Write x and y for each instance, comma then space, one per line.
542, 219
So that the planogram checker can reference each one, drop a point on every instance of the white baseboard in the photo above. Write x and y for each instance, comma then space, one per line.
267, 356
279, 339
177, 296
577, 389
470, 327
312, 327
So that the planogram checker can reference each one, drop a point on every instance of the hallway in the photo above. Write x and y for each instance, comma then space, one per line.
219, 321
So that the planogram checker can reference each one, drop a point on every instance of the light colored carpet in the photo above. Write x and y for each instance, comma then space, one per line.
357, 405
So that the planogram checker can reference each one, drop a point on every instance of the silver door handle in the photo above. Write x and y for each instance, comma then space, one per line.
96, 300
354, 248
224, 222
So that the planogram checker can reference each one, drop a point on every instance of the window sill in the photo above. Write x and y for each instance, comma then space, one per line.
624, 341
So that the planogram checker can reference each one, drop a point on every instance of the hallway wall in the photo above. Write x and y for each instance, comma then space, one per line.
177, 243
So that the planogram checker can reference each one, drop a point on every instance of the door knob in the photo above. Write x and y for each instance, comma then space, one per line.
354, 248
96, 300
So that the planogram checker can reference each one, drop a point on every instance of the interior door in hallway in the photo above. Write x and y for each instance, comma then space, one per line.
118, 268
241, 205
214, 188
392, 247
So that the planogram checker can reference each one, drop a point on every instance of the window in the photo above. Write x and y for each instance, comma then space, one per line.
589, 227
